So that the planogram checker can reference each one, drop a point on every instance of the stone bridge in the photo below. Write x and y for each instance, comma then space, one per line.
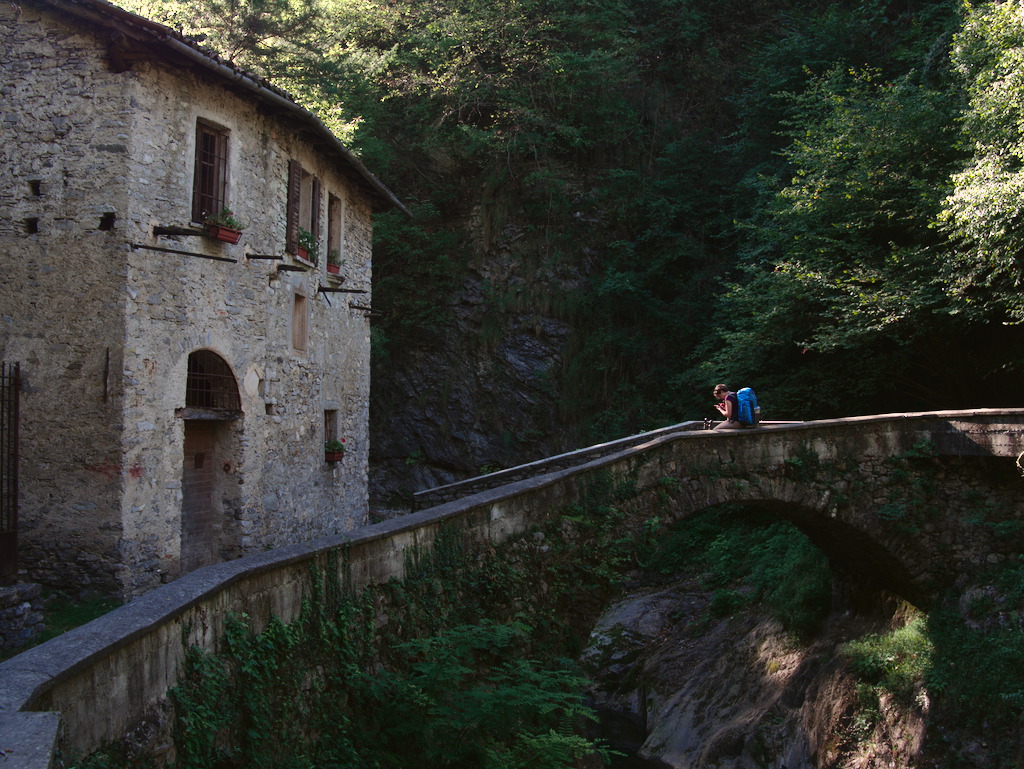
900, 502
903, 503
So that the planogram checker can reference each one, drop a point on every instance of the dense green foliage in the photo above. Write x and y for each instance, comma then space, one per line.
310, 695
894, 662
976, 676
984, 207
751, 559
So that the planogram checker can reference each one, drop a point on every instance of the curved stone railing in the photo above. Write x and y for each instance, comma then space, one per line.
93, 683
458, 489
452, 491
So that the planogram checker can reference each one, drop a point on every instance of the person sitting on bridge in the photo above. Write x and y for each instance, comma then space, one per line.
728, 407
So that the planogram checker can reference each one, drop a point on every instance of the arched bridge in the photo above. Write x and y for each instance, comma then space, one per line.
907, 503
901, 502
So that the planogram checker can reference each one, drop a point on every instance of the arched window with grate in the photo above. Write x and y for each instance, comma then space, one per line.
211, 387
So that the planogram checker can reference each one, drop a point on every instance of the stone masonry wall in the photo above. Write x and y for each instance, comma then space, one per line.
64, 133
104, 324
21, 614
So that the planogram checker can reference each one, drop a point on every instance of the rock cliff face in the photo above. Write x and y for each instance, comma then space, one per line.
481, 394
737, 692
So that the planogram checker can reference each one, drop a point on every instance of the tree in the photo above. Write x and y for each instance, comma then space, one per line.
845, 278
985, 209
249, 32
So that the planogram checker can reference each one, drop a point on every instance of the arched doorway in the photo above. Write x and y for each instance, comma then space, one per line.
211, 415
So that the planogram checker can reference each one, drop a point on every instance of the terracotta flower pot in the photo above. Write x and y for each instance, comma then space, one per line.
334, 456
334, 269
226, 234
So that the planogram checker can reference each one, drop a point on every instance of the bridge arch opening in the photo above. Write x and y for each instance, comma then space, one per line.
748, 556
803, 564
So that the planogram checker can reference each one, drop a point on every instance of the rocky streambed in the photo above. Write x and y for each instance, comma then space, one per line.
677, 689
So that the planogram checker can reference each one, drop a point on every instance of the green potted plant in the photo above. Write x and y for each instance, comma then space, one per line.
334, 451
334, 262
224, 226
307, 243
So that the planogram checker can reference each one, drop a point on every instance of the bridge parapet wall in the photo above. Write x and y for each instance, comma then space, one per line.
832, 478
91, 685
995, 435
460, 489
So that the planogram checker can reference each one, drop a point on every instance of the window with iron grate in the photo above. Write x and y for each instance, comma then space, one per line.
211, 383
210, 187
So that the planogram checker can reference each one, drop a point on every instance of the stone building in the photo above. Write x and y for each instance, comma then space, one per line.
177, 389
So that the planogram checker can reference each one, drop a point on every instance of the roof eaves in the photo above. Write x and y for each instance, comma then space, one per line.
106, 13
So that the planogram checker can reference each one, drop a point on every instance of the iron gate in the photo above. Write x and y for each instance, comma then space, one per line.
10, 386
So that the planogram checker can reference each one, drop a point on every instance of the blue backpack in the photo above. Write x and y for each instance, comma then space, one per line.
748, 411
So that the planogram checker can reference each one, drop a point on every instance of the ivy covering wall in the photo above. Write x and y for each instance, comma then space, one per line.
466, 662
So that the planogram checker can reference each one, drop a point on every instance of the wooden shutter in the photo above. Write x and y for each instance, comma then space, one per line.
314, 219
314, 223
291, 239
